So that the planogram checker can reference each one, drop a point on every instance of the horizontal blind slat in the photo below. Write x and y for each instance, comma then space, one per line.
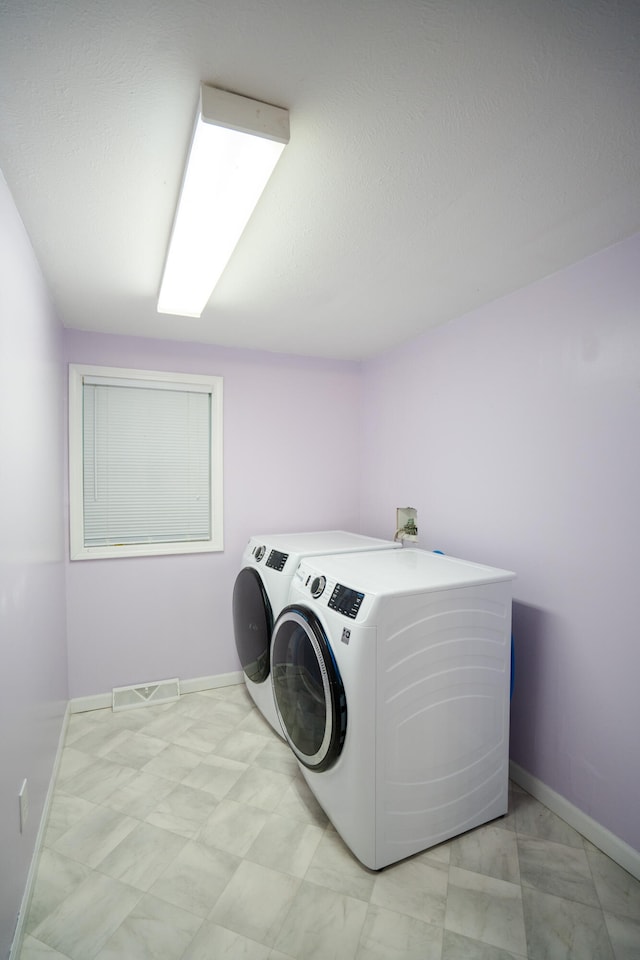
146, 465
153, 383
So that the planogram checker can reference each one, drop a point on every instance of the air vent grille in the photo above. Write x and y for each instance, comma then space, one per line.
145, 694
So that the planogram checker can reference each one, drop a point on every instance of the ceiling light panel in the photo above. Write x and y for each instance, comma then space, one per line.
235, 146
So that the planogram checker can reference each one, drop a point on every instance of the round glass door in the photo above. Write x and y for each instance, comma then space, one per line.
307, 687
252, 624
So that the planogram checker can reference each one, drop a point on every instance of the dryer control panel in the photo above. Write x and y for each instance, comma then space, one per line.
277, 560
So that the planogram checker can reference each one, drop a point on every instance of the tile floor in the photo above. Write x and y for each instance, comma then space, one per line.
185, 832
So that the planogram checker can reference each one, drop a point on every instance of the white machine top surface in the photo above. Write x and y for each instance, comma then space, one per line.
322, 541
404, 571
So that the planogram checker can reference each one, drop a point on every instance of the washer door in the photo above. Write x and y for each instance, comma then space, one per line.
252, 624
307, 688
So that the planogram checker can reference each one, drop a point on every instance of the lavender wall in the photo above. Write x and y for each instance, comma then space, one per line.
33, 678
515, 432
286, 467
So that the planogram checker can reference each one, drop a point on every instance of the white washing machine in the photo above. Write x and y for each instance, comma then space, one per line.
262, 589
391, 675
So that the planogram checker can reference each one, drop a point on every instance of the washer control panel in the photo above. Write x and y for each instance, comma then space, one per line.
346, 601
336, 596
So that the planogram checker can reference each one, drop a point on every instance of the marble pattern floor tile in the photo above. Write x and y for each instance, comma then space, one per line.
95, 835
141, 795
185, 831
276, 755
184, 810
202, 736
256, 902
84, 921
100, 740
33, 949
286, 845
97, 780
299, 803
196, 878
261, 788
173, 763
233, 827
137, 718
254, 722
322, 925
414, 887
71, 762
618, 891
215, 775
533, 819
441, 854
143, 856
242, 746
58, 877
558, 869
215, 941
624, 934
457, 947
64, 813
135, 749
153, 930
488, 850
166, 725
561, 929
393, 936
483, 908
333, 866
81, 723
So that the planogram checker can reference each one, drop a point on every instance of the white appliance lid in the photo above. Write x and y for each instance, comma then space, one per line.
407, 571
322, 541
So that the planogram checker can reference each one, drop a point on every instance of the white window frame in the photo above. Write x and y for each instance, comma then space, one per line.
77, 548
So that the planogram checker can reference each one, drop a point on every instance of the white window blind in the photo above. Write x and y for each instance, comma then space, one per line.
146, 465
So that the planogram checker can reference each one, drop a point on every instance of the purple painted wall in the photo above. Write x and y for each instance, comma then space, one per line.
515, 432
33, 678
286, 467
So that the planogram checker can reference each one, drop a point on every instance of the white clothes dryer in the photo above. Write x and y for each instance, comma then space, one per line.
262, 589
391, 676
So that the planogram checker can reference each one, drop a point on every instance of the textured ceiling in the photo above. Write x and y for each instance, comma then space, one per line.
442, 154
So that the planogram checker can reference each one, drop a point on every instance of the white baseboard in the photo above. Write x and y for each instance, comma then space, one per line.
18, 936
608, 842
210, 683
98, 701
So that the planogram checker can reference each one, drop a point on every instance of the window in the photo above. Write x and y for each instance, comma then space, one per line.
145, 462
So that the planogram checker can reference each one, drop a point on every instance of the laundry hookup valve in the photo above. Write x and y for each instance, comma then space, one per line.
406, 524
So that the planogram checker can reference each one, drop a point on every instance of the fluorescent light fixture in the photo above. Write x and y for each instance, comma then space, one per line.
235, 146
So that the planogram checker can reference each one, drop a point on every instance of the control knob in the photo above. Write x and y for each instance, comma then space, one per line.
317, 587
259, 553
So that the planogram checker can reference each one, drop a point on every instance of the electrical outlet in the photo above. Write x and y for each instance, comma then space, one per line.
23, 800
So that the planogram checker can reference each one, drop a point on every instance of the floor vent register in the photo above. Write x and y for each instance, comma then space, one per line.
146, 694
